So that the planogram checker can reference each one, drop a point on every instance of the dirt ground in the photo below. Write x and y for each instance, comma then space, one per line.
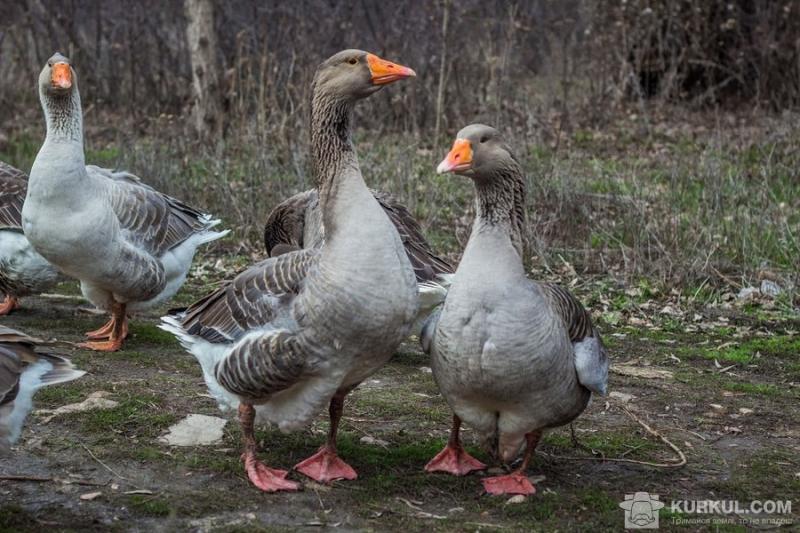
727, 398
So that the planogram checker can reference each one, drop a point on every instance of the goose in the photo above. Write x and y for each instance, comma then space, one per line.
23, 371
511, 356
297, 332
22, 270
129, 245
296, 223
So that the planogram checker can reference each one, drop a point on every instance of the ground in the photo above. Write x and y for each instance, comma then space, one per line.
729, 402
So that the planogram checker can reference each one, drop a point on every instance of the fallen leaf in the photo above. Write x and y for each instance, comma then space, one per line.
195, 430
138, 491
519, 498
89, 496
745, 410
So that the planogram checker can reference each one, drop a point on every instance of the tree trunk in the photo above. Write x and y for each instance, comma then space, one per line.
206, 90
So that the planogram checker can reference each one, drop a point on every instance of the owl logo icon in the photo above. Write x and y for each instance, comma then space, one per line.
641, 510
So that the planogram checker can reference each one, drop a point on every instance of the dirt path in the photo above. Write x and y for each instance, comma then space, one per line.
739, 428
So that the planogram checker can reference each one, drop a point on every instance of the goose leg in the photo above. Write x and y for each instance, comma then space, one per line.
259, 474
9, 304
117, 331
454, 459
325, 466
516, 482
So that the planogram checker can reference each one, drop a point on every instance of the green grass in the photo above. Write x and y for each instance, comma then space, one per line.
150, 505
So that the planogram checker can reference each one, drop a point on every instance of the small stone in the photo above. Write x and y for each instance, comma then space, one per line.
519, 498
716, 406
745, 410
372, 441
89, 496
195, 430
425, 369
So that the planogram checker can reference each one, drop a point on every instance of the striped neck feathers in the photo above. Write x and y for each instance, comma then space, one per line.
500, 202
63, 115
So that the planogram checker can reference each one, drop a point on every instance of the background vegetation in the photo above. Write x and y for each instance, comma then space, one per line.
660, 138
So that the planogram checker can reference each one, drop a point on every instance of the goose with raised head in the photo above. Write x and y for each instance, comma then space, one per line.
22, 270
24, 369
129, 245
511, 356
297, 332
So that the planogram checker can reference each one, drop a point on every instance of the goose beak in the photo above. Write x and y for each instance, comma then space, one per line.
384, 72
61, 77
459, 159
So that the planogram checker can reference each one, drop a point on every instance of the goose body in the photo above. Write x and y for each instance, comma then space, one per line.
300, 330
129, 245
23, 371
23, 271
511, 356
297, 223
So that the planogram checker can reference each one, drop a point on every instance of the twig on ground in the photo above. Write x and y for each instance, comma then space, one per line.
103, 464
678, 451
25, 478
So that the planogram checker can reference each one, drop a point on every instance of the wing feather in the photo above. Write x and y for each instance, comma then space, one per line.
13, 188
249, 300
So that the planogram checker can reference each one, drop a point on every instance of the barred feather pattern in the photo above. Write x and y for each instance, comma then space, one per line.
13, 187
576, 318
248, 301
263, 366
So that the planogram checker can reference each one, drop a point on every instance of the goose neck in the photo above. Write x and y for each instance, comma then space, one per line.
500, 204
63, 116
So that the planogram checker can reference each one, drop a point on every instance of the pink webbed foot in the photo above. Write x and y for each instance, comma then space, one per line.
454, 460
325, 466
514, 483
267, 479
9, 304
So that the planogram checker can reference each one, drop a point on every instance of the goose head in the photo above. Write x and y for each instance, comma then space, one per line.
479, 152
57, 79
354, 74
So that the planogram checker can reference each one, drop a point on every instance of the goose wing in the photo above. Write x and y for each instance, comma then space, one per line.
13, 187
591, 357
286, 223
155, 221
250, 300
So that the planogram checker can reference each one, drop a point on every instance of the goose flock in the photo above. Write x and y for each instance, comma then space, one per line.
349, 276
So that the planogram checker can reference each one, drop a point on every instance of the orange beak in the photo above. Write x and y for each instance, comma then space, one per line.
384, 72
459, 158
61, 78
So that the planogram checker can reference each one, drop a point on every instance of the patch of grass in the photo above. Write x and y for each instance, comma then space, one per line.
14, 518
141, 414
149, 333
62, 394
778, 346
769, 475
150, 505
762, 389
608, 443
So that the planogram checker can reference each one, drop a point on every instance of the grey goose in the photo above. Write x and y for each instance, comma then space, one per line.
129, 245
295, 333
511, 356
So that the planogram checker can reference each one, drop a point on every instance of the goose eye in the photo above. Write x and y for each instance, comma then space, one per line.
352, 60
484, 139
